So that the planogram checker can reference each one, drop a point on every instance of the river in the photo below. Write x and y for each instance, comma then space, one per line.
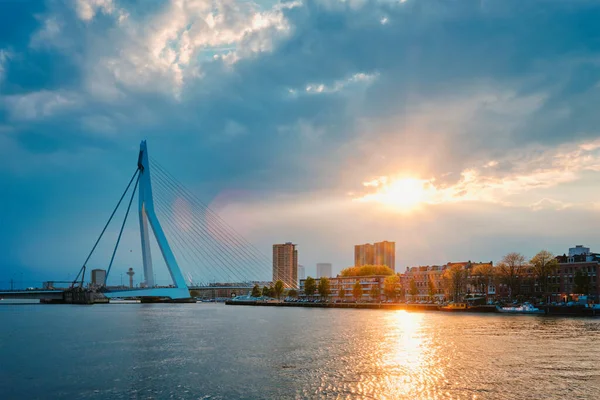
214, 351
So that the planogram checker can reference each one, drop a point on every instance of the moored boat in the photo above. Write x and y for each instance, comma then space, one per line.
525, 308
454, 307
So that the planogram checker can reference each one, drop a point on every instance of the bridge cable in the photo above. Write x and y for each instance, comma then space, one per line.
199, 229
178, 237
105, 226
122, 226
221, 229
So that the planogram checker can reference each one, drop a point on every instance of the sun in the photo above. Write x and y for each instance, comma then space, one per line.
402, 194
405, 193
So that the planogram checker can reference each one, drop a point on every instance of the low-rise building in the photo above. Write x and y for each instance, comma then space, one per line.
367, 284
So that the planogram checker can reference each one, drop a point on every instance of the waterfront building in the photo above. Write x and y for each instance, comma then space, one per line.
380, 253
347, 282
222, 291
285, 264
428, 282
564, 280
324, 270
578, 250
98, 277
301, 272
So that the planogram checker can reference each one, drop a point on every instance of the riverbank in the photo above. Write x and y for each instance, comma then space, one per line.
554, 311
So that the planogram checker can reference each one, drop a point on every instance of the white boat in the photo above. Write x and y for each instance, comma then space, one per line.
525, 308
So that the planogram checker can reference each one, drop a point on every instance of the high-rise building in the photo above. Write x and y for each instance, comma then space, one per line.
364, 254
301, 272
385, 254
285, 264
381, 253
324, 270
99, 277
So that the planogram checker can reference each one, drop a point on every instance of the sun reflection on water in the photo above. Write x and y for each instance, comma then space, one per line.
412, 366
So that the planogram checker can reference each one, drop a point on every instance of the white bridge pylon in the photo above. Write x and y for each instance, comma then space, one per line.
147, 216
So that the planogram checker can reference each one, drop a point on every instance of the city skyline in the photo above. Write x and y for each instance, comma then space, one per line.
469, 161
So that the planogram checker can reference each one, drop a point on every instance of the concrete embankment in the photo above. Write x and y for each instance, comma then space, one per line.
379, 306
552, 311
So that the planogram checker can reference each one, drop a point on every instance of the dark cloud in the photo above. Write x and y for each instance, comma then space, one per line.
456, 84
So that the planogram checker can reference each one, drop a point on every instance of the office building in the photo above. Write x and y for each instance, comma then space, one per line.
323, 270
99, 277
301, 272
285, 264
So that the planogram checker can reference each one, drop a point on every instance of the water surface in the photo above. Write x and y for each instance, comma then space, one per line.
213, 351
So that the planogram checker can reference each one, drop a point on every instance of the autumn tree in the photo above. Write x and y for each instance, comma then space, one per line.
324, 288
544, 264
367, 270
278, 288
413, 289
390, 286
342, 293
310, 286
582, 282
267, 291
510, 271
375, 292
483, 275
454, 279
431, 287
255, 291
357, 291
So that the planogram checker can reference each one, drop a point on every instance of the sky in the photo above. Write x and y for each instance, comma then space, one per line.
461, 130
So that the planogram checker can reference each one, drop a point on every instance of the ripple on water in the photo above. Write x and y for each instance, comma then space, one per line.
211, 351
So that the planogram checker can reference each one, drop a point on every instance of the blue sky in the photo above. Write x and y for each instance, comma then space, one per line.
459, 129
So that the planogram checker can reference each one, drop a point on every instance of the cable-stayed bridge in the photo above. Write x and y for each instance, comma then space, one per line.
197, 247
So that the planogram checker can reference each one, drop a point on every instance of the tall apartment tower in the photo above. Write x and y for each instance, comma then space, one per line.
285, 264
385, 254
381, 253
364, 254
323, 270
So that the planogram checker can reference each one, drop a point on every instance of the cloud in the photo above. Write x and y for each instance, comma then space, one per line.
549, 204
5, 56
530, 170
87, 9
39, 105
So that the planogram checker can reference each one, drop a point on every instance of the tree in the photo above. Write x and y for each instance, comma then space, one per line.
510, 270
431, 288
310, 286
357, 291
375, 292
390, 287
256, 291
582, 282
292, 293
544, 264
342, 293
366, 270
324, 288
413, 289
484, 275
454, 279
267, 291
278, 288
